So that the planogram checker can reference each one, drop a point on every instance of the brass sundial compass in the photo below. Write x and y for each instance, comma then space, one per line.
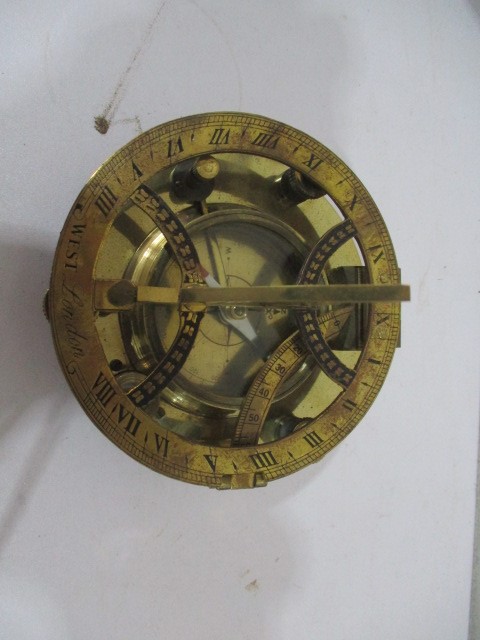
224, 299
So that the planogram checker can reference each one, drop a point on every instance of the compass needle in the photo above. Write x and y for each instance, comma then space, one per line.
232, 315
233, 303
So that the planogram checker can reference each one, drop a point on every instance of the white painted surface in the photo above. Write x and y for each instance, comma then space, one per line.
373, 542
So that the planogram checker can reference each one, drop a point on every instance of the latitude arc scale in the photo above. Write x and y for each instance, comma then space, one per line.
225, 299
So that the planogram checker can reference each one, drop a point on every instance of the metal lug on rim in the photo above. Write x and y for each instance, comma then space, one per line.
194, 180
45, 305
297, 188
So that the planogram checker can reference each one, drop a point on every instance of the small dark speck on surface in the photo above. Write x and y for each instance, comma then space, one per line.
252, 586
101, 124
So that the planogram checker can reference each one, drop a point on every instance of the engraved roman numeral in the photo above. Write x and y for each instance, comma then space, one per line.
379, 255
381, 318
162, 444
313, 439
220, 136
266, 140
127, 419
106, 201
175, 147
313, 162
136, 171
103, 390
263, 459
212, 461
349, 404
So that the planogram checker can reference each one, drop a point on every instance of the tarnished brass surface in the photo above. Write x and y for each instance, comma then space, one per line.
224, 299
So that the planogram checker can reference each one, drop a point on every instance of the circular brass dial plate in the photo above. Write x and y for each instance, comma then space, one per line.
134, 228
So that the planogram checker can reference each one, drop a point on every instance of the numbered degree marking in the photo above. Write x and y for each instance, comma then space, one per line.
288, 357
171, 227
171, 363
185, 253
307, 320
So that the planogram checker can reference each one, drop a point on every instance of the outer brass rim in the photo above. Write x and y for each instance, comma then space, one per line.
72, 314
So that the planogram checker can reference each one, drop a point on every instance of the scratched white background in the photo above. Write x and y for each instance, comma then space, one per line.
376, 540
